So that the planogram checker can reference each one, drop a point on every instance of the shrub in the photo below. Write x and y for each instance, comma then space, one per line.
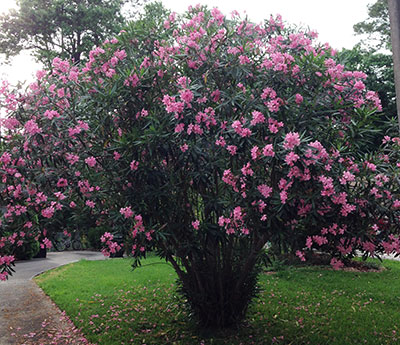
203, 138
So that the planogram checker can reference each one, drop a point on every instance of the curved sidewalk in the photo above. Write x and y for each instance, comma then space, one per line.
27, 315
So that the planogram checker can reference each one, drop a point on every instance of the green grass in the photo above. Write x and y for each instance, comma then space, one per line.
304, 305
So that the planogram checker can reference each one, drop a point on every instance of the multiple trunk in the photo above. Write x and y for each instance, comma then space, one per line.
220, 283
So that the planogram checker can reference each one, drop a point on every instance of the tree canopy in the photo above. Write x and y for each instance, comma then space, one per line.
66, 29
376, 26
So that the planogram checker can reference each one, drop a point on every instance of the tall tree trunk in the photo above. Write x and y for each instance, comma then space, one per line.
394, 14
219, 286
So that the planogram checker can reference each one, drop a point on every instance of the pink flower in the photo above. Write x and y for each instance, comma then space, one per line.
245, 231
179, 127
274, 125
32, 127
300, 255
91, 161
347, 177
60, 93
291, 140
230, 179
60, 196
73, 76
132, 81
255, 153
359, 85
291, 158
50, 114
46, 243
336, 264
346, 209
370, 166
71, 158
126, 212
257, 118
237, 213
62, 182
82, 125
106, 237
268, 150
215, 95
283, 196
186, 96
116, 155
244, 60
196, 224
48, 212
298, 98
243, 132
90, 203
273, 105
231, 149
320, 240
40, 74
246, 170
369, 247
264, 190
5, 158
221, 141
134, 165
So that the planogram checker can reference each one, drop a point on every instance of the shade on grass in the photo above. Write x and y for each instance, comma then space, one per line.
306, 305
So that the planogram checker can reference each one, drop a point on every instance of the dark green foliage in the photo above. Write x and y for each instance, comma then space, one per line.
94, 235
66, 29
27, 250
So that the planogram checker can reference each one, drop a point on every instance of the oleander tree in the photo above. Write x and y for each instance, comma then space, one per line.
203, 138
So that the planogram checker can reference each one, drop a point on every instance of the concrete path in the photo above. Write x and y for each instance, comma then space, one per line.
27, 315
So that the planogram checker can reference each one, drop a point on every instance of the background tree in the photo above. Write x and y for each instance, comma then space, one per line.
67, 29
373, 56
376, 26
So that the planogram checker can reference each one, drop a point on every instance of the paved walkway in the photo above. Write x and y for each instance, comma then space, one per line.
27, 315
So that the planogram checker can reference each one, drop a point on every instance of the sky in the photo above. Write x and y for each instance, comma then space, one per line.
333, 20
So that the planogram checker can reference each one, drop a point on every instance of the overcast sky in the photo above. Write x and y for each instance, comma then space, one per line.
333, 20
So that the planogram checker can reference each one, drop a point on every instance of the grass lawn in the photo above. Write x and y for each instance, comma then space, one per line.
305, 305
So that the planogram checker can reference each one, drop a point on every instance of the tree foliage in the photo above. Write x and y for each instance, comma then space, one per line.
67, 29
377, 26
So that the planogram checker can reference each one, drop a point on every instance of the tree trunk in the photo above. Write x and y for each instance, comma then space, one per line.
220, 291
394, 14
